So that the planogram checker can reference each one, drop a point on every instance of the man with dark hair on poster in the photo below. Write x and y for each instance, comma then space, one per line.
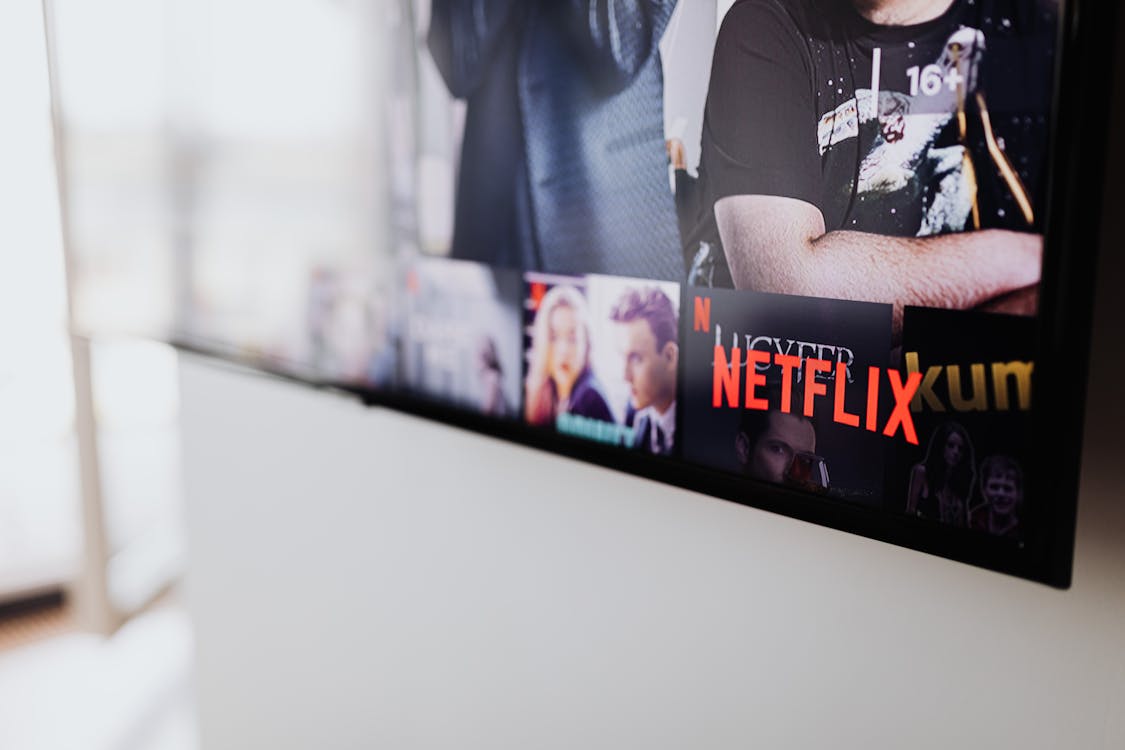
563, 165
649, 342
882, 150
769, 441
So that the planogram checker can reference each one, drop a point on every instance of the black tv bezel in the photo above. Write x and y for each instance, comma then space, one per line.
1079, 128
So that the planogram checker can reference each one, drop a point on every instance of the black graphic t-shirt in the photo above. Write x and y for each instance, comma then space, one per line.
896, 130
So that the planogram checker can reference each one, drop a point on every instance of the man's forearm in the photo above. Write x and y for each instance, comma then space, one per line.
951, 271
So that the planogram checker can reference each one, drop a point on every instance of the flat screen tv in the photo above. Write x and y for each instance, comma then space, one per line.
829, 258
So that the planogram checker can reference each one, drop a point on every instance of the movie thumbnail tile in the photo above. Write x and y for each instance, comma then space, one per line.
778, 389
602, 358
349, 327
461, 335
972, 411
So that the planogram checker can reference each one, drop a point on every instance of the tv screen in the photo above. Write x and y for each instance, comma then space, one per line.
830, 258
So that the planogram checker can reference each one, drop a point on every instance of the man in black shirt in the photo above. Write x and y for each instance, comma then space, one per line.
881, 150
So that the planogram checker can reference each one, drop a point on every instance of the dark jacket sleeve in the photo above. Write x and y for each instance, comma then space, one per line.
760, 119
617, 37
462, 37
587, 399
687, 202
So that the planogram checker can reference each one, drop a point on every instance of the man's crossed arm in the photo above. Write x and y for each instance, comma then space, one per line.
776, 244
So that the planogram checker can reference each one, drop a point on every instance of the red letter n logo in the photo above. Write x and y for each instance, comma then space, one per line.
702, 314
725, 377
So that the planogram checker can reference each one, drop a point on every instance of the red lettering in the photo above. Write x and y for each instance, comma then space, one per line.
788, 364
538, 291
872, 421
725, 379
727, 384
812, 387
755, 378
702, 314
838, 413
901, 413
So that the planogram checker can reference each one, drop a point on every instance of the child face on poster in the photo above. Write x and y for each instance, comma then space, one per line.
1001, 488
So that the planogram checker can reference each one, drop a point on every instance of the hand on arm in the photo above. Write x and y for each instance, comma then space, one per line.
776, 244
676, 154
1020, 302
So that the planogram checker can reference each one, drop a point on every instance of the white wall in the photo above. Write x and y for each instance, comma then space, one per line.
40, 536
361, 578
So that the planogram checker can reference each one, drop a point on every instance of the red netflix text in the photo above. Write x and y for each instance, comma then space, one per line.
736, 382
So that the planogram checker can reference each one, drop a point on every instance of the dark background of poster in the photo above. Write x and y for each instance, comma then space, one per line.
958, 337
854, 456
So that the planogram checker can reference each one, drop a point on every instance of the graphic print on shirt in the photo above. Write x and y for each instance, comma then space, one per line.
906, 163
